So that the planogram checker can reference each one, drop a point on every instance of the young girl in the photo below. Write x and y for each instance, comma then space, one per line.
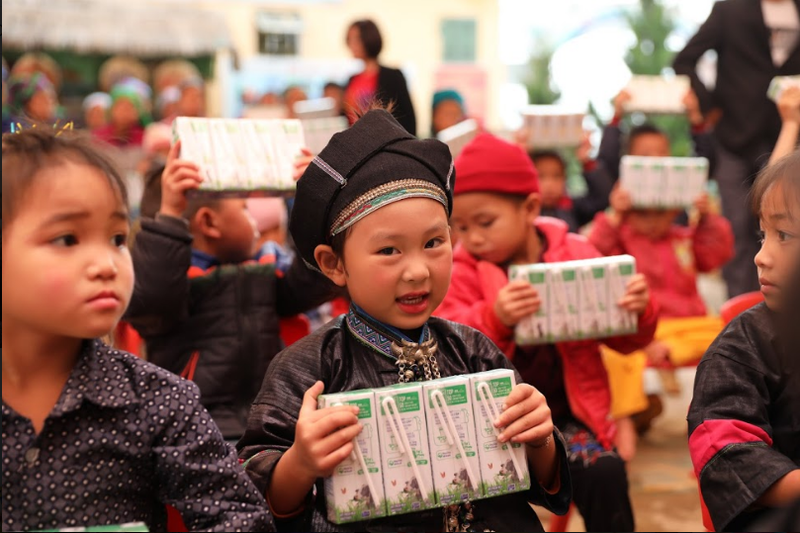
372, 214
93, 436
744, 429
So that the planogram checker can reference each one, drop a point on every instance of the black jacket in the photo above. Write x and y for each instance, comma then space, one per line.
228, 316
735, 29
744, 421
392, 87
336, 356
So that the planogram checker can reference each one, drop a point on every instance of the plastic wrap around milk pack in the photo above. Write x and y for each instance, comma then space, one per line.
503, 466
663, 182
355, 490
403, 430
620, 270
562, 279
452, 440
241, 157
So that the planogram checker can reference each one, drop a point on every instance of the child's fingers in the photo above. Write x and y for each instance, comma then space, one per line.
337, 439
174, 152
519, 394
328, 463
519, 285
330, 422
537, 419
180, 164
533, 434
309, 404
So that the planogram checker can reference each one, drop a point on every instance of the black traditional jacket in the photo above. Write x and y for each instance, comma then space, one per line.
354, 352
744, 421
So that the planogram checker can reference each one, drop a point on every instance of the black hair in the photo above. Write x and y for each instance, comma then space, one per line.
333, 85
782, 172
30, 151
370, 37
538, 155
647, 128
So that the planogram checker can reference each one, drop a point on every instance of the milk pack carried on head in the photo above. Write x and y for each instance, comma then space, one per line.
452, 440
594, 303
503, 466
403, 434
620, 269
456, 137
562, 280
355, 490
658, 94
552, 126
533, 329
195, 137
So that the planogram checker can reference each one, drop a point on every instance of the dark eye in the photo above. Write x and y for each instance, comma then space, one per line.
387, 251
486, 223
433, 243
120, 240
783, 236
761, 236
65, 241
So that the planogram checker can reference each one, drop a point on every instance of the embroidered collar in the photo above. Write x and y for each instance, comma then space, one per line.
377, 335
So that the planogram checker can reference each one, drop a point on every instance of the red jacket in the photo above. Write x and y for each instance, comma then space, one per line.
470, 301
671, 264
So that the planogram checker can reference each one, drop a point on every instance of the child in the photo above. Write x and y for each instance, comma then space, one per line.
556, 203
33, 99
495, 213
371, 213
93, 436
744, 432
670, 256
192, 101
448, 110
128, 117
206, 307
95, 110
650, 141
335, 91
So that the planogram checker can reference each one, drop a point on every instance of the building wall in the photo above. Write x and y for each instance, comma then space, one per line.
411, 31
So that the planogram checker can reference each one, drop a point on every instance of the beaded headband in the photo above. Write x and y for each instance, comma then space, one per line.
384, 195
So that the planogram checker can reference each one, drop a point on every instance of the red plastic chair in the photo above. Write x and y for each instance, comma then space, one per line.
739, 304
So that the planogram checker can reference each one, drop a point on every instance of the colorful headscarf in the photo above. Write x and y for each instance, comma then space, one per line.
100, 99
22, 88
134, 94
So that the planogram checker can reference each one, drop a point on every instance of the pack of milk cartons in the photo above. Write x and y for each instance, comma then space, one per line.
781, 83
452, 440
456, 137
318, 132
405, 456
241, 157
658, 94
578, 300
552, 126
663, 182
503, 466
355, 490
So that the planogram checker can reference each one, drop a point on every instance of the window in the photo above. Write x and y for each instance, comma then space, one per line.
458, 40
279, 33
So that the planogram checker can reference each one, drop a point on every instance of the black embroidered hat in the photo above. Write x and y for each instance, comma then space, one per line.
372, 164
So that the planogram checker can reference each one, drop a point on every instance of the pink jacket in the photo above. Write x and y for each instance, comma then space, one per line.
470, 301
672, 263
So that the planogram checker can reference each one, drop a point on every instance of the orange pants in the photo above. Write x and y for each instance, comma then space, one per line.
687, 338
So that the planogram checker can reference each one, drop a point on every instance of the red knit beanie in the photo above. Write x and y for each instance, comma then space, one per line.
490, 164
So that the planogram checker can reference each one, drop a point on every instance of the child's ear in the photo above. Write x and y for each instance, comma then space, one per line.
206, 221
330, 264
533, 207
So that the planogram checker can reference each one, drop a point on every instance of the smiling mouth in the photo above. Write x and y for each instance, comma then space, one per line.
413, 300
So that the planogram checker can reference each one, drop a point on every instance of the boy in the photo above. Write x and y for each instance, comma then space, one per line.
575, 211
205, 309
495, 214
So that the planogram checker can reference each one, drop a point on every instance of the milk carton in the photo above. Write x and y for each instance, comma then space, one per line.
458, 136
655, 184
563, 301
781, 83
534, 329
698, 177
503, 466
678, 188
225, 162
452, 439
196, 147
290, 142
620, 270
403, 434
593, 281
632, 176
355, 490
